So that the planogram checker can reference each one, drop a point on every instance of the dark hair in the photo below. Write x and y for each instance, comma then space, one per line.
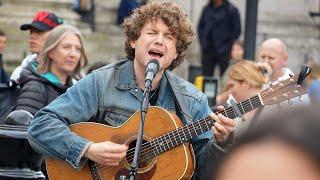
172, 15
95, 66
2, 33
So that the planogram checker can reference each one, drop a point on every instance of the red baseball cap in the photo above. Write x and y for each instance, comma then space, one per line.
43, 21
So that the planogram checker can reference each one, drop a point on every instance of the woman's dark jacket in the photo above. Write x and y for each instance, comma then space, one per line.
36, 91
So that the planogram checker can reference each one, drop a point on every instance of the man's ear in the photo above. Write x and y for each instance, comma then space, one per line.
133, 44
285, 59
175, 57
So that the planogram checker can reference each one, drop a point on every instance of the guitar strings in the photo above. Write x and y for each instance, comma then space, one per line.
147, 147
145, 155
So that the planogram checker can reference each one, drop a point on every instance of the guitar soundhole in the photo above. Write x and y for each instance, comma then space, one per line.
145, 154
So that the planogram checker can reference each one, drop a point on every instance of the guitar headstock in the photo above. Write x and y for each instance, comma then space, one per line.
282, 91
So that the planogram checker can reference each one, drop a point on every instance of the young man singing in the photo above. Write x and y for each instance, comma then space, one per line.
110, 95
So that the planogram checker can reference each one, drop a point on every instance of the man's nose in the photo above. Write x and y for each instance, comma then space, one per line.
159, 39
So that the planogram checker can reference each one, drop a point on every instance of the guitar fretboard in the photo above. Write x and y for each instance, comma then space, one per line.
186, 133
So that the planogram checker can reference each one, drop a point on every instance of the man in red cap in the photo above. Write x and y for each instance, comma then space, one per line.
43, 22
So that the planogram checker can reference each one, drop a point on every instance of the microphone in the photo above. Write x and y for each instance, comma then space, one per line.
151, 71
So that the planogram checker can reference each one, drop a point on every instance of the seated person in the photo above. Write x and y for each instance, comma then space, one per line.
60, 61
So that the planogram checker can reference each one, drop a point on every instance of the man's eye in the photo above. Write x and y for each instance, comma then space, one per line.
170, 37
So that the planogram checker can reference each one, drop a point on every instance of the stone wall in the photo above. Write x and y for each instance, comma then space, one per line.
286, 19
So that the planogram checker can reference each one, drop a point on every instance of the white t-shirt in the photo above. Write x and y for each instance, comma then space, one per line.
17, 71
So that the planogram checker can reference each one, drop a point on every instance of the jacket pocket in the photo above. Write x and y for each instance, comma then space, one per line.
114, 116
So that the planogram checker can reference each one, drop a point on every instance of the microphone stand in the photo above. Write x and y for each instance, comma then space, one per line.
144, 109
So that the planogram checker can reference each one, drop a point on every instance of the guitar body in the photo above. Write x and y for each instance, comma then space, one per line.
176, 163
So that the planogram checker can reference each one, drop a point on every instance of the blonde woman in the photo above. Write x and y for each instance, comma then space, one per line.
60, 61
246, 79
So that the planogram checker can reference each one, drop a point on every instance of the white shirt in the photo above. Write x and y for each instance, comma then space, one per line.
17, 71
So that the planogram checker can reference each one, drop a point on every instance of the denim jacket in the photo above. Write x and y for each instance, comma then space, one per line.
110, 95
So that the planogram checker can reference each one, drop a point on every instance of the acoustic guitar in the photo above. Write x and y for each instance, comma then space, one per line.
166, 152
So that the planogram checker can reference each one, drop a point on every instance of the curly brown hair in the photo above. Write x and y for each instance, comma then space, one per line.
172, 15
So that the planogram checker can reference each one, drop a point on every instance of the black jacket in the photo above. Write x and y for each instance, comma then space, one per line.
218, 28
36, 91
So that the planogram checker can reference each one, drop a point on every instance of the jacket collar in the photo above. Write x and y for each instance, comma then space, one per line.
125, 77
176, 90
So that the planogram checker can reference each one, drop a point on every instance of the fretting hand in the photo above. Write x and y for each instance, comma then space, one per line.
223, 126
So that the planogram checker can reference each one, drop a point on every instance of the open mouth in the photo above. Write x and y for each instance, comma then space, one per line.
155, 54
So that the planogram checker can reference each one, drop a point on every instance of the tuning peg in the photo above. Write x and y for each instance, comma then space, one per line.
291, 80
285, 95
280, 79
275, 99
297, 86
290, 75
270, 89
270, 84
300, 98
281, 85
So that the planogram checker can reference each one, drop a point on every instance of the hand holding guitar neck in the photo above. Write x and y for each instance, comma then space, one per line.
222, 127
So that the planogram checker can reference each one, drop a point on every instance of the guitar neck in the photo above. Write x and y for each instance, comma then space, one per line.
244, 107
186, 133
